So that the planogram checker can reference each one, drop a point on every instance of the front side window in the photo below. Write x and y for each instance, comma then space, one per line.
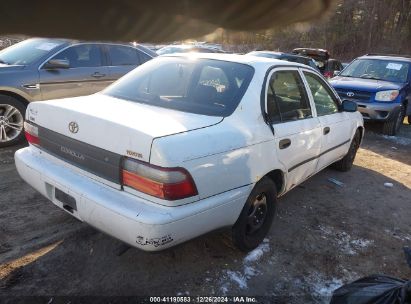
286, 97
123, 55
387, 70
201, 86
325, 102
83, 55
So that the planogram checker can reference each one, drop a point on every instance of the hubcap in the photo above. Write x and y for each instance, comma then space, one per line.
256, 214
11, 123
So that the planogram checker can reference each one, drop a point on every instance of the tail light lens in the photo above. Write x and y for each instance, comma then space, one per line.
165, 183
32, 133
328, 74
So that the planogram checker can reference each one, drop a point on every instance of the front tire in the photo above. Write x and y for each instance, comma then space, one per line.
12, 113
345, 164
392, 126
256, 217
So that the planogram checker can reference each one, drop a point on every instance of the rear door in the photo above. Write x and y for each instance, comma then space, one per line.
297, 131
335, 124
86, 74
122, 59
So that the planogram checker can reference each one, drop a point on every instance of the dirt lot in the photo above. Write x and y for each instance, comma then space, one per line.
324, 235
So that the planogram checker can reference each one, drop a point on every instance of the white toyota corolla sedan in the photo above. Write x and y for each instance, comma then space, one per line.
186, 144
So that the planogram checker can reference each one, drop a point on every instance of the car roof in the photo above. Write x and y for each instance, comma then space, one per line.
280, 54
193, 46
254, 61
68, 42
387, 57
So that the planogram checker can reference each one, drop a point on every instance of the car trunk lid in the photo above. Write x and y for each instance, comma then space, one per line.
93, 132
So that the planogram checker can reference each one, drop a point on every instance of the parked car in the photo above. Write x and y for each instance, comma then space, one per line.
329, 67
285, 56
188, 48
184, 145
381, 86
41, 69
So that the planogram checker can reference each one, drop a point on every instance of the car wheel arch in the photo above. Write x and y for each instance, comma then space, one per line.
278, 177
14, 95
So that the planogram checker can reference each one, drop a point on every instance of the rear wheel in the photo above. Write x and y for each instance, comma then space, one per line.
345, 164
11, 121
257, 216
392, 126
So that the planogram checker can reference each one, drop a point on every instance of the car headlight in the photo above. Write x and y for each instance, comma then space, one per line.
389, 95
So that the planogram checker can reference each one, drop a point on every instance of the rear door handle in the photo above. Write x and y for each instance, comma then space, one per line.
284, 143
97, 75
326, 130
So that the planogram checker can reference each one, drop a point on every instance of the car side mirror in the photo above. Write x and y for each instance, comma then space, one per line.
57, 64
349, 106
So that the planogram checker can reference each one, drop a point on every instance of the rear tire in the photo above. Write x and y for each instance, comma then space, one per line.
392, 126
256, 217
12, 113
345, 164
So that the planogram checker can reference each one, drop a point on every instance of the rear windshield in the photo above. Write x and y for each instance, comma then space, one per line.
200, 86
28, 51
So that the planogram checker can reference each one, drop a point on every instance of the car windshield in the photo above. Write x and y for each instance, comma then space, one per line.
200, 86
28, 51
395, 71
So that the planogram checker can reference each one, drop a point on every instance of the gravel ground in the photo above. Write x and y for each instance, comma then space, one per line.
324, 235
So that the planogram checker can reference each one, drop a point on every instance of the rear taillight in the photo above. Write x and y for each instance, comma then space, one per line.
165, 183
328, 74
32, 133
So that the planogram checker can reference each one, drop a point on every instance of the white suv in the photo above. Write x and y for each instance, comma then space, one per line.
187, 144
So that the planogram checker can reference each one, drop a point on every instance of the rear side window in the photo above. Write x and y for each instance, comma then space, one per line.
123, 55
201, 86
83, 55
286, 97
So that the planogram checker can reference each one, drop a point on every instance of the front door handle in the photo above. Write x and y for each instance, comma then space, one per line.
326, 130
284, 143
97, 75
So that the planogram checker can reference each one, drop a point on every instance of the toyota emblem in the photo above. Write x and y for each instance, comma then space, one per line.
73, 127
350, 94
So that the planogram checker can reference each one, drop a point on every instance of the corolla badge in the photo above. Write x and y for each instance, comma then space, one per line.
72, 153
73, 127
350, 94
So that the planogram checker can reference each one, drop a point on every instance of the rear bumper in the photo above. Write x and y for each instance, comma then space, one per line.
135, 221
377, 111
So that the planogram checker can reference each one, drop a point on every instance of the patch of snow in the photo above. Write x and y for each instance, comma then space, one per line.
345, 242
397, 139
257, 253
326, 288
241, 277
322, 287
250, 271
361, 243
238, 278
224, 290
398, 235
